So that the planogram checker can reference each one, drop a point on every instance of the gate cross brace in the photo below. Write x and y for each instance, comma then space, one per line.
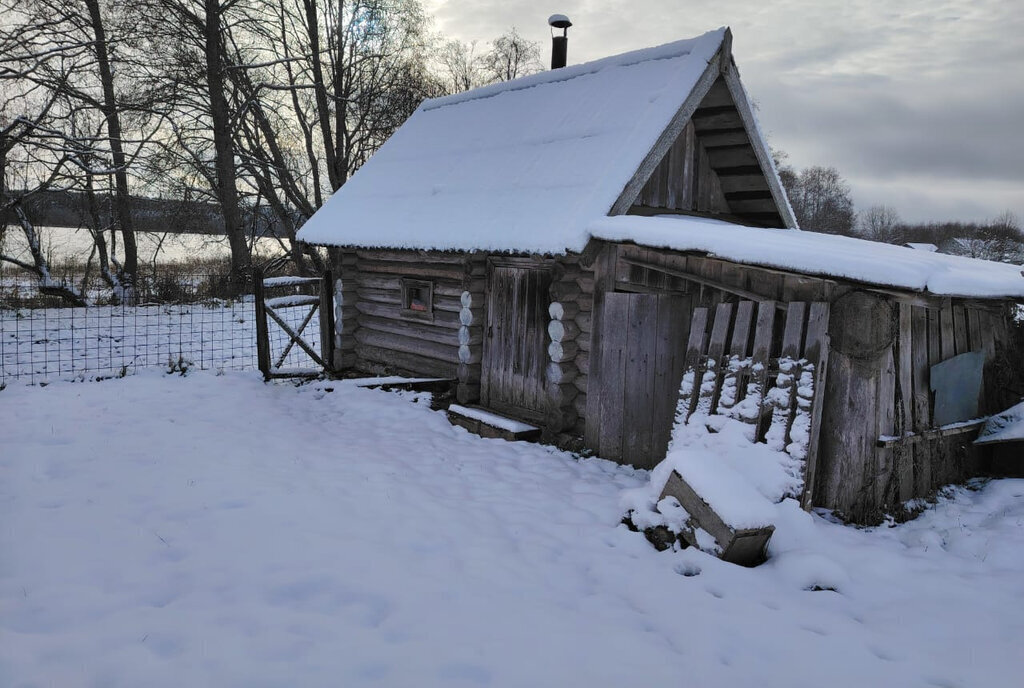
295, 337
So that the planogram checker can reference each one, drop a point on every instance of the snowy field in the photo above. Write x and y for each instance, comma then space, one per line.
211, 530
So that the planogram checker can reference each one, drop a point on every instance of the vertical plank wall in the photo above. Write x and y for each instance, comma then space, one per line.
883, 393
642, 356
885, 389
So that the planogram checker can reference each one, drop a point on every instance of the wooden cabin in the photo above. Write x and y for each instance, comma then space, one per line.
552, 242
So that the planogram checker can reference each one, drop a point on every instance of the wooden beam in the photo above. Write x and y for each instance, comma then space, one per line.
738, 171
934, 433
816, 350
746, 182
714, 284
748, 195
713, 140
646, 211
757, 207
295, 336
716, 119
731, 156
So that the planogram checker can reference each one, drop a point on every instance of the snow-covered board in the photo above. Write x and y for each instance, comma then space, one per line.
1007, 426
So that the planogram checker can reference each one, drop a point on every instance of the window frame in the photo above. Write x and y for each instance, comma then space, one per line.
426, 288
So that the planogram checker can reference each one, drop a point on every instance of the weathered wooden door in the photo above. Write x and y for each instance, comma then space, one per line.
516, 340
636, 367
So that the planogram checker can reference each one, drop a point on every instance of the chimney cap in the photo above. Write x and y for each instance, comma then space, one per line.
559, 21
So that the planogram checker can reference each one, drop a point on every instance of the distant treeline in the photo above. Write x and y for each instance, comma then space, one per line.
822, 202
176, 216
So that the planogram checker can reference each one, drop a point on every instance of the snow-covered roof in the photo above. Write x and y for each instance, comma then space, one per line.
521, 166
828, 255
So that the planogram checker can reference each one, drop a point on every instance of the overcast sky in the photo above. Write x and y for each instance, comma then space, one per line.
919, 103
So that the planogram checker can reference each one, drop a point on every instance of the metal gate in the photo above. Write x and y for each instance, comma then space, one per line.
294, 325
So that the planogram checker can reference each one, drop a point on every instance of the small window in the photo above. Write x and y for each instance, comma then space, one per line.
418, 298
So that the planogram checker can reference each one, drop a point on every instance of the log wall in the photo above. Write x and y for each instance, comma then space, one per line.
375, 332
572, 304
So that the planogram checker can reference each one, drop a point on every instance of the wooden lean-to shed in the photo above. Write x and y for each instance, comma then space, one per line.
555, 243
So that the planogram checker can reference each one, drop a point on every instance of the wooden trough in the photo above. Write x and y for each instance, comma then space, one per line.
743, 546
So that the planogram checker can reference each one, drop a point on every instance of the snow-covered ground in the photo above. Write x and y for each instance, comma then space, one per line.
215, 531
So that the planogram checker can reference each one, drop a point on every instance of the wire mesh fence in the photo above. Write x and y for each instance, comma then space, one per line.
180, 325
180, 320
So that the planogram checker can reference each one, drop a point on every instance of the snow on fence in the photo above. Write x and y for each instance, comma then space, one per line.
190, 328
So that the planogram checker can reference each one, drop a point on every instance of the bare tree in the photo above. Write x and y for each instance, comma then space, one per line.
458, 66
318, 87
198, 142
511, 56
111, 112
821, 201
66, 48
880, 223
999, 240
31, 162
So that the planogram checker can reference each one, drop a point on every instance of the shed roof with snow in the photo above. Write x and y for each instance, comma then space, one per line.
824, 255
525, 165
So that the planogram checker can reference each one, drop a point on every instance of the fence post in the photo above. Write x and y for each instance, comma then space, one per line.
262, 335
327, 320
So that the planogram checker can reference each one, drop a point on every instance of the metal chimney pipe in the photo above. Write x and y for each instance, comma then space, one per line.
559, 44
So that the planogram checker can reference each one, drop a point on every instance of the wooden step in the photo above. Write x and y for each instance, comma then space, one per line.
486, 423
413, 384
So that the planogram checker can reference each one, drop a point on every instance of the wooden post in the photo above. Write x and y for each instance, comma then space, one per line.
816, 352
327, 321
262, 335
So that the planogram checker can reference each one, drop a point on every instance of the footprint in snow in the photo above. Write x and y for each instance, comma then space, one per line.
815, 629
688, 569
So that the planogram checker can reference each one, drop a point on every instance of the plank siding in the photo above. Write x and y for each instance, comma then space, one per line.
685, 179
641, 364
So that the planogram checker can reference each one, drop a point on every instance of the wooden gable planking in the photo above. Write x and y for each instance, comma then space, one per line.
714, 165
672, 132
